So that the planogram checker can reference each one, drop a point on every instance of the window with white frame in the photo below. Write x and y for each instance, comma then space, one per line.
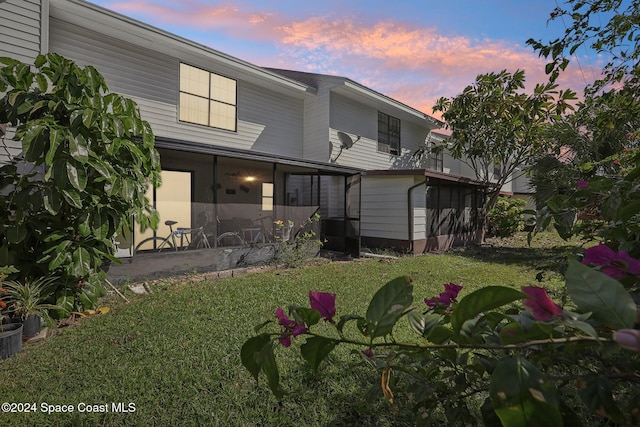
436, 160
388, 134
207, 98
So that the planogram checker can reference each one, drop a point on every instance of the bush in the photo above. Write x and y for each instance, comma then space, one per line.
506, 217
87, 161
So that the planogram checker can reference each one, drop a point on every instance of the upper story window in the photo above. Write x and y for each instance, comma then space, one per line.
436, 161
207, 98
388, 134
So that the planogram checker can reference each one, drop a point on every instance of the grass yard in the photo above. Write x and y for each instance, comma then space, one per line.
174, 353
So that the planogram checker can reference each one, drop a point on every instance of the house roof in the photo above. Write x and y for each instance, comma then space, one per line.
364, 94
427, 173
121, 27
195, 147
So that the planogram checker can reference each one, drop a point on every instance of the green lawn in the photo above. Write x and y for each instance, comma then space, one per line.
174, 353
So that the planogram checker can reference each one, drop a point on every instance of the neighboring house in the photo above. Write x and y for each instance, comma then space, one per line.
243, 146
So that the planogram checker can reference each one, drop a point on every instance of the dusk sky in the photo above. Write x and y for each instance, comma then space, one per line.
414, 51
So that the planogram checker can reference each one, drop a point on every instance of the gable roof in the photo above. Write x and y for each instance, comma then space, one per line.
360, 92
120, 27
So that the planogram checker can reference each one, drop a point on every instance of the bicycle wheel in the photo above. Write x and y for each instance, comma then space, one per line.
153, 244
230, 238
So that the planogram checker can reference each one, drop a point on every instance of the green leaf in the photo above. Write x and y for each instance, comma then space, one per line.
43, 84
81, 262
423, 323
304, 314
78, 148
72, 198
388, 305
65, 304
100, 225
31, 142
484, 299
629, 210
250, 351
315, 349
77, 176
594, 291
52, 201
597, 395
60, 254
56, 137
439, 335
16, 233
268, 362
520, 396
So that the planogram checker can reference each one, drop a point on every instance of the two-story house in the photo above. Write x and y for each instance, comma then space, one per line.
244, 147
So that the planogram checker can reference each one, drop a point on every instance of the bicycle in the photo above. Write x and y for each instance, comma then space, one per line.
239, 237
198, 239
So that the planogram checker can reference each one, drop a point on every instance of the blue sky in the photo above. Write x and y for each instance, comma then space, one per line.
414, 51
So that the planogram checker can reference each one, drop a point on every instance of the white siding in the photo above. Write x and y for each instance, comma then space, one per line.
384, 206
419, 201
23, 28
316, 127
20, 29
355, 118
268, 121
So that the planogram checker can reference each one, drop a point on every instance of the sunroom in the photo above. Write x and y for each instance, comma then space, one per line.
239, 200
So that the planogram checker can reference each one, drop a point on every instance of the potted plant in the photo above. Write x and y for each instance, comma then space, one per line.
25, 301
10, 333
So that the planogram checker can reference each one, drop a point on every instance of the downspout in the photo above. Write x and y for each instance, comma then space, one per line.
410, 211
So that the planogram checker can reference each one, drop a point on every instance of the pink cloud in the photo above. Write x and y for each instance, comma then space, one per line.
413, 64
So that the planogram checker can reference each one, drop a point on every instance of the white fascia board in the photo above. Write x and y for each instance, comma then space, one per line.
115, 25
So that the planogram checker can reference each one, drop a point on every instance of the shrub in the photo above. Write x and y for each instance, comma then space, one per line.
506, 217
87, 161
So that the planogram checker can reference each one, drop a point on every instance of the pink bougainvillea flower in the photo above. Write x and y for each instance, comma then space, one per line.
324, 303
581, 184
288, 328
451, 291
615, 264
539, 304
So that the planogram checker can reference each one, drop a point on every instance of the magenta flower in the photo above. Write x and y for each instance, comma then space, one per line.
324, 303
539, 304
581, 184
451, 291
369, 353
616, 264
288, 328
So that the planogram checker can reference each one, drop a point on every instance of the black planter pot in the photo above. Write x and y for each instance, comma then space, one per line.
31, 326
10, 339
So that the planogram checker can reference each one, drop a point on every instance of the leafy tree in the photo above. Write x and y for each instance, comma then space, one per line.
87, 161
602, 135
582, 142
618, 39
497, 127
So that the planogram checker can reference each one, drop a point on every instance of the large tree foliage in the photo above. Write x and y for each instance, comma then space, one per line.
609, 27
592, 139
87, 161
584, 144
497, 127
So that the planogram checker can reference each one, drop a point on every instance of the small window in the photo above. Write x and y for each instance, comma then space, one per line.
207, 99
388, 134
436, 161
267, 196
